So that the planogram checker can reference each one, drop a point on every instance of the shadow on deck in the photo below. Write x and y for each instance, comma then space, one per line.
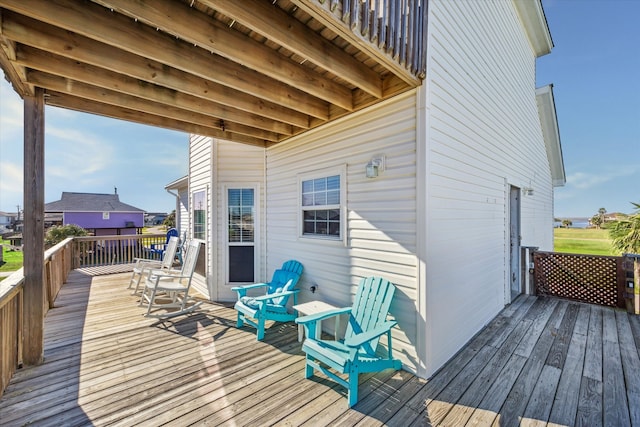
541, 360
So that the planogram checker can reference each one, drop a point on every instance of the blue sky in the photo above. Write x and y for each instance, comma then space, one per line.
93, 154
594, 68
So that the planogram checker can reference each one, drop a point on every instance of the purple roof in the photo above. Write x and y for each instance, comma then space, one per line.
89, 202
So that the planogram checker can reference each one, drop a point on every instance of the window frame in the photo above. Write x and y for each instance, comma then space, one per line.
203, 233
341, 206
257, 238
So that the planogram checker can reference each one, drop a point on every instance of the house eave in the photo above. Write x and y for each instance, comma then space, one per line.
551, 133
535, 23
178, 183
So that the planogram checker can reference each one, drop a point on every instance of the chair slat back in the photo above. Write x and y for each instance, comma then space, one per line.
172, 232
285, 279
169, 253
292, 266
370, 307
190, 259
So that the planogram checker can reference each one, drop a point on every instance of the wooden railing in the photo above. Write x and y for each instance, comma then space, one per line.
10, 327
58, 262
109, 250
396, 27
57, 265
587, 278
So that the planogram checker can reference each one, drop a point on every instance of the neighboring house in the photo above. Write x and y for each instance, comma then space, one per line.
436, 189
154, 218
100, 214
7, 219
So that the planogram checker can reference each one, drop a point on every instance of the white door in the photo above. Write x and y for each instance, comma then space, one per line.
241, 240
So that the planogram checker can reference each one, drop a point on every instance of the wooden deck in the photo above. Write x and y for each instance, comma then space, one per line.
542, 360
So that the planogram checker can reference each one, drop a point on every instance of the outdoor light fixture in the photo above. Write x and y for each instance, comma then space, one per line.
527, 191
374, 167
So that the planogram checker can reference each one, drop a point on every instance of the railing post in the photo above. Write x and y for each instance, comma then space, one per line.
631, 266
33, 231
528, 269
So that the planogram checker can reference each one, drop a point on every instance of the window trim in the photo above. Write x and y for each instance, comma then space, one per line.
340, 171
257, 237
193, 213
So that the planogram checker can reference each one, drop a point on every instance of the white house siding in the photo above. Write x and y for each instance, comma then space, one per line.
381, 212
237, 165
200, 174
183, 196
484, 135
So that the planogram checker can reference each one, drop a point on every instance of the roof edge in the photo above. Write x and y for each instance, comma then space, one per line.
551, 133
178, 183
535, 23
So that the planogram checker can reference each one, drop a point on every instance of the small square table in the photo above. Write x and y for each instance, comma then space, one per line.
314, 307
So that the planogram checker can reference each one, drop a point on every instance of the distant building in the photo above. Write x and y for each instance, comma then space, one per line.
154, 218
100, 214
7, 219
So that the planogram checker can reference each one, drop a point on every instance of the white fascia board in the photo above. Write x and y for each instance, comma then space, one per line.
535, 24
178, 183
551, 133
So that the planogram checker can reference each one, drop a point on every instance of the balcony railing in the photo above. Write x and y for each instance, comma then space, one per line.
396, 27
69, 254
93, 251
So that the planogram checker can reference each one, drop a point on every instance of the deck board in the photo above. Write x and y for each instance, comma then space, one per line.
541, 361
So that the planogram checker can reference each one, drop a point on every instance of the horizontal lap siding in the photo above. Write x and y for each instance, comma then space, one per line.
237, 164
381, 212
200, 162
484, 133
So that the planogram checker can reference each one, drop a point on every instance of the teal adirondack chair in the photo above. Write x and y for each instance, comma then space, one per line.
358, 352
272, 305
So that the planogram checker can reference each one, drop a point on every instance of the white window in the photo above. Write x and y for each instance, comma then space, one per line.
199, 204
321, 206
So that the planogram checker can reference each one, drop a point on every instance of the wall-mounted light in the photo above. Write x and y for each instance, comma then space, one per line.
374, 167
527, 191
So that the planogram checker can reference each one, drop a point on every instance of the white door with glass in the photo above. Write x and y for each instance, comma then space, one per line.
241, 241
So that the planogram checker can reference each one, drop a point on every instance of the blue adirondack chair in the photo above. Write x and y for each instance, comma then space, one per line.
157, 250
357, 353
272, 305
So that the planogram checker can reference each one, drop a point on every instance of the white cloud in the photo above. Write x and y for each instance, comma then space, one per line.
73, 153
588, 180
11, 113
11, 178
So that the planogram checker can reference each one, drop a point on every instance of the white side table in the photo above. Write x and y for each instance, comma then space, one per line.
314, 307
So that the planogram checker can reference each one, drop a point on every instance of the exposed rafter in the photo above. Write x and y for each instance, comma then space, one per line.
253, 72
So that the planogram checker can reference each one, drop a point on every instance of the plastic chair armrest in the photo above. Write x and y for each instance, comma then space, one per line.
360, 339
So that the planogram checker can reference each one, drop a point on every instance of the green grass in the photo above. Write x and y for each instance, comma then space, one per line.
589, 241
12, 260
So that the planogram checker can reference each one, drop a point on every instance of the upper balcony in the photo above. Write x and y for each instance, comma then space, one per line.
256, 72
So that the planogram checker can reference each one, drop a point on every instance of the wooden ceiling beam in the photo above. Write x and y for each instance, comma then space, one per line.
276, 25
77, 71
202, 30
52, 39
63, 100
105, 96
123, 33
14, 75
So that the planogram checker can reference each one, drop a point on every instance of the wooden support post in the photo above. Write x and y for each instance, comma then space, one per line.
33, 231
636, 286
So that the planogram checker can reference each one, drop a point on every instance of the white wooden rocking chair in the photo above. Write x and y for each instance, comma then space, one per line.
166, 289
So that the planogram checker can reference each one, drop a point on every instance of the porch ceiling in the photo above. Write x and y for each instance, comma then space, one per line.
256, 72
